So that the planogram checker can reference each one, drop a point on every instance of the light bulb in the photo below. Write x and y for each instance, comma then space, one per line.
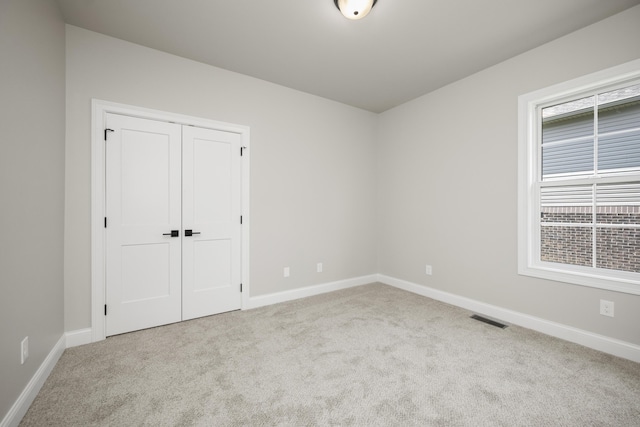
355, 9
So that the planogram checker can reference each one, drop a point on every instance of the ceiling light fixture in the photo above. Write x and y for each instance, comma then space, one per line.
355, 9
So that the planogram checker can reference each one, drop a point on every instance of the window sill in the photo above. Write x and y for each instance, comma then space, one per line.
592, 280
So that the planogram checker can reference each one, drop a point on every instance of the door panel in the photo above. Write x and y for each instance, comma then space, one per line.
143, 198
211, 207
211, 165
146, 175
212, 264
139, 282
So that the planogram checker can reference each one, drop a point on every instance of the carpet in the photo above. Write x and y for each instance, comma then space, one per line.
372, 355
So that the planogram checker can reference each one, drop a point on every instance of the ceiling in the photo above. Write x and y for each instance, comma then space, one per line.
401, 50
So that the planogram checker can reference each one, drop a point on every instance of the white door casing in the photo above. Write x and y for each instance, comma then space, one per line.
211, 211
101, 110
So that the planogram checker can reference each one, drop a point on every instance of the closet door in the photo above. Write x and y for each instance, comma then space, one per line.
143, 208
211, 219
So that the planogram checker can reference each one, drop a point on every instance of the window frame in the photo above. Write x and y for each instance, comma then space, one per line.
529, 159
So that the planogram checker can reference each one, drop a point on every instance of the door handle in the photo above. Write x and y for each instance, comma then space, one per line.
189, 233
174, 233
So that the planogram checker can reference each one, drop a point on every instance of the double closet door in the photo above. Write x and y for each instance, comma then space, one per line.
173, 225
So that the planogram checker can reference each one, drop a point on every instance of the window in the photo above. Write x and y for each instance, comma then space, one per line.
579, 181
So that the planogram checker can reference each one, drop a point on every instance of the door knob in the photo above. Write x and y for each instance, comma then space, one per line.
189, 233
174, 233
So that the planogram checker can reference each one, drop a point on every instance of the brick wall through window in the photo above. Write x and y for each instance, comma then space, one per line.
617, 248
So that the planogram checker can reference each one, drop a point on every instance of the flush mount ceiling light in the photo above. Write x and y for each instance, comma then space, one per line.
355, 9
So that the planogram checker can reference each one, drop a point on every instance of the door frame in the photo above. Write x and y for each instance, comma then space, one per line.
99, 111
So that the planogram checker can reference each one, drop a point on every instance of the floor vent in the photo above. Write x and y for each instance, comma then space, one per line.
489, 321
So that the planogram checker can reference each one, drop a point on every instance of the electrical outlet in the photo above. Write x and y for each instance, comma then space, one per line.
606, 308
428, 270
287, 272
24, 350
319, 267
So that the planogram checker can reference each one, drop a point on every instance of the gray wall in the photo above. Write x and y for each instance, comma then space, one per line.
312, 163
447, 168
31, 188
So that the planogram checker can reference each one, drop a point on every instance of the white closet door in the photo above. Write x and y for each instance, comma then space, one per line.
143, 200
211, 211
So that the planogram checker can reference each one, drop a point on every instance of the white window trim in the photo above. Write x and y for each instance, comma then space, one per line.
528, 200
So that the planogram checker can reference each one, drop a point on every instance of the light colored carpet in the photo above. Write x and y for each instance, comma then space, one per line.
366, 356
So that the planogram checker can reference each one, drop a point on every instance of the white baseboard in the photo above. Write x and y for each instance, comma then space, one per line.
78, 337
602, 343
84, 336
21, 405
278, 297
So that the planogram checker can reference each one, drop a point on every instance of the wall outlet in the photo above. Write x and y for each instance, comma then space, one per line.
24, 350
606, 308
287, 272
428, 270
319, 267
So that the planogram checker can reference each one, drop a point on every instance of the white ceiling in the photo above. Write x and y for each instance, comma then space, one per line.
401, 50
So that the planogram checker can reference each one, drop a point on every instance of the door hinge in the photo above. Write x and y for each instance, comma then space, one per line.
105, 309
105, 222
105, 133
241, 287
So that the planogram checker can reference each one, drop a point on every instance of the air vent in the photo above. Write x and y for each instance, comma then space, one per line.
489, 321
